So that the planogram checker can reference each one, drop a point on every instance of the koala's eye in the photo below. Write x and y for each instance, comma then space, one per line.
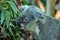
26, 20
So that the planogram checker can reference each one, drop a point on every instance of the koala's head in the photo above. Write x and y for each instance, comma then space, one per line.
23, 21
37, 13
33, 12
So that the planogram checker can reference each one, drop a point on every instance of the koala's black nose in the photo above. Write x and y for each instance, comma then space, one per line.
26, 20
20, 20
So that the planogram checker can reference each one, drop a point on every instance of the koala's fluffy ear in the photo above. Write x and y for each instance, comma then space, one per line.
23, 7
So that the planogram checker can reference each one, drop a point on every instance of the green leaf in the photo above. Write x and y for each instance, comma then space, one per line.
1, 8
10, 29
11, 13
2, 17
13, 6
7, 18
6, 32
15, 16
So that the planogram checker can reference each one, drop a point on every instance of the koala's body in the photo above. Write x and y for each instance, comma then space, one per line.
50, 30
30, 13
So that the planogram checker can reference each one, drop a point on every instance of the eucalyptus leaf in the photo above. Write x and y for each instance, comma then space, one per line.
1, 20
13, 6
7, 18
10, 29
11, 13
1, 8
2, 17
6, 32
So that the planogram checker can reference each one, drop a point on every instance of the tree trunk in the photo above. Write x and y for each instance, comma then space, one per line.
50, 9
40, 4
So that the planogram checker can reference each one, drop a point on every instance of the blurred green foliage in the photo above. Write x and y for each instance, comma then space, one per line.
9, 15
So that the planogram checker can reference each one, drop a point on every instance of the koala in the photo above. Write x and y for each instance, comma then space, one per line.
48, 26
30, 13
